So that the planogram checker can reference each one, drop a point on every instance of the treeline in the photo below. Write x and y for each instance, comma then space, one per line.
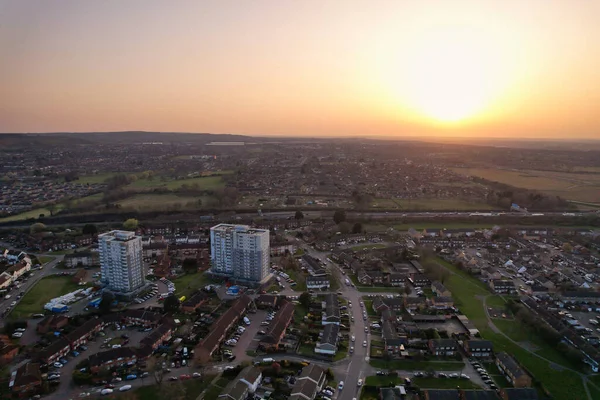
504, 195
544, 331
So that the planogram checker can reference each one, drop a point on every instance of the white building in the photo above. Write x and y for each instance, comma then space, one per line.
121, 261
240, 252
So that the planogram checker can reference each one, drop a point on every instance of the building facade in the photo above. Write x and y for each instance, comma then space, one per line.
121, 261
240, 252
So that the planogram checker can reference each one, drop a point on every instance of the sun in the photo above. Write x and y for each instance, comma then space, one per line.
449, 77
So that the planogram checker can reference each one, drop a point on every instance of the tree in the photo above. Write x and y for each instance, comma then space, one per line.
407, 290
339, 216
52, 208
344, 227
171, 304
90, 229
190, 265
357, 228
106, 302
567, 247
131, 224
305, 299
38, 227
299, 215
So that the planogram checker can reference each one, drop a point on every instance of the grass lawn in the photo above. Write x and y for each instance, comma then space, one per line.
215, 389
299, 278
562, 384
188, 283
594, 392
308, 350
369, 308
378, 289
46, 289
35, 213
45, 259
495, 301
444, 383
192, 387
409, 365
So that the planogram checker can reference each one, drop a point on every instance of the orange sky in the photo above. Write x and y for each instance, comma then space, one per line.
316, 68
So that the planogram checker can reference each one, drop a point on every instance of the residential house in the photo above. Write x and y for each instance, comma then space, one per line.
235, 390
397, 278
329, 340
55, 350
393, 342
155, 249
415, 303
309, 383
443, 347
266, 301
580, 297
158, 336
501, 286
392, 393
331, 310
317, 282
112, 358
26, 380
79, 276
8, 350
196, 300
82, 259
478, 395
379, 305
52, 323
419, 280
512, 370
442, 303
211, 342
439, 289
18, 269
84, 332
479, 348
252, 377
278, 326
5, 280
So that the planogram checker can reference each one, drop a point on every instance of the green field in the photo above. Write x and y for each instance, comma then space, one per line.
35, 213
43, 291
467, 291
203, 183
441, 225
442, 204
408, 365
159, 201
45, 259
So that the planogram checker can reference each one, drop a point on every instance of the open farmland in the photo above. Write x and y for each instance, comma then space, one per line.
571, 186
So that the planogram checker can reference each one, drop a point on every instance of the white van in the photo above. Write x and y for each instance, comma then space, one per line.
268, 360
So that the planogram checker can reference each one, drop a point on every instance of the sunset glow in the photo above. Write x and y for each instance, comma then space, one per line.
403, 68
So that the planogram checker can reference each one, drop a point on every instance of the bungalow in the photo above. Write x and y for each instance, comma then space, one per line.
392, 393
513, 371
309, 383
317, 282
439, 289
278, 326
26, 380
502, 286
443, 347
479, 348
329, 340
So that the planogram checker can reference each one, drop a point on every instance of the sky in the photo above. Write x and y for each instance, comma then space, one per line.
511, 68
